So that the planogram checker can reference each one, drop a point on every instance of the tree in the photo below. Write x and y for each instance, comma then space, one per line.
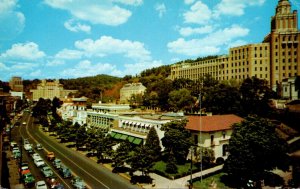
171, 164
152, 144
222, 99
123, 154
180, 100
255, 96
141, 160
176, 139
297, 85
205, 156
80, 136
254, 148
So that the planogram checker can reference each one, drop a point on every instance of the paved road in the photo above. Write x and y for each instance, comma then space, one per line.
95, 175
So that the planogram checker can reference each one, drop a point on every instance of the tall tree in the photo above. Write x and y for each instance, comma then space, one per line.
177, 139
141, 160
254, 148
152, 144
123, 154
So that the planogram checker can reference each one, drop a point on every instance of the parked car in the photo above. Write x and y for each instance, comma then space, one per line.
27, 178
24, 166
26, 141
65, 171
13, 144
39, 146
50, 156
15, 149
47, 171
36, 156
27, 147
57, 163
53, 183
17, 154
41, 185
78, 183
39, 162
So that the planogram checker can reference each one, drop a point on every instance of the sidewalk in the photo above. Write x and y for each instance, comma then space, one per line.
162, 182
13, 168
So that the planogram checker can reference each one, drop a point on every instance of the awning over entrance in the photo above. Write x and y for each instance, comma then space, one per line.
132, 139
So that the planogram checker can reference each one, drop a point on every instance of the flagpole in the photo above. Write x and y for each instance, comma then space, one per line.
200, 104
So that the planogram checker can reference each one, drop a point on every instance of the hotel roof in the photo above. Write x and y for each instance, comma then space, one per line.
212, 123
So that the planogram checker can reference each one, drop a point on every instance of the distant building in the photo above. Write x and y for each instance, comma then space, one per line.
49, 90
130, 89
74, 110
289, 89
16, 84
276, 58
215, 132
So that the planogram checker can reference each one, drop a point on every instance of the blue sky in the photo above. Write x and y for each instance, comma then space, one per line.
76, 38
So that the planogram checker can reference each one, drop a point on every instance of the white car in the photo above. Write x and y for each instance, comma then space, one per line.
40, 185
36, 156
27, 147
39, 162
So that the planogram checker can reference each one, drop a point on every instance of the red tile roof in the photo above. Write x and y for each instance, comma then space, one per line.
212, 123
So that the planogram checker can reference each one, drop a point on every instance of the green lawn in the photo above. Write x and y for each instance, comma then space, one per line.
182, 169
207, 182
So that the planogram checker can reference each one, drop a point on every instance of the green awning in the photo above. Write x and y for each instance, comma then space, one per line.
124, 137
137, 141
130, 138
117, 136
112, 134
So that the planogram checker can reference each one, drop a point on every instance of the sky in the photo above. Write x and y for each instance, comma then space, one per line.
53, 39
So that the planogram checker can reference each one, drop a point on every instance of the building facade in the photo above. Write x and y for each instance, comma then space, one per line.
274, 60
130, 89
49, 90
16, 84
213, 132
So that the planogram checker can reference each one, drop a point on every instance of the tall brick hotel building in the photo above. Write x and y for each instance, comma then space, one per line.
275, 59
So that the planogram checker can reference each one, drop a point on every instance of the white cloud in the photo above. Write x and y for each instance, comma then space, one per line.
105, 12
107, 45
136, 68
209, 45
188, 2
86, 68
161, 9
23, 66
235, 7
24, 51
129, 2
69, 54
3, 67
236, 43
187, 31
55, 62
36, 73
198, 14
12, 22
76, 26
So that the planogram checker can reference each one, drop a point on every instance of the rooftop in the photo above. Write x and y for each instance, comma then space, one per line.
212, 123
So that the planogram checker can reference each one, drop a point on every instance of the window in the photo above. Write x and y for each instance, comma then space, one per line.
224, 134
196, 139
225, 149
